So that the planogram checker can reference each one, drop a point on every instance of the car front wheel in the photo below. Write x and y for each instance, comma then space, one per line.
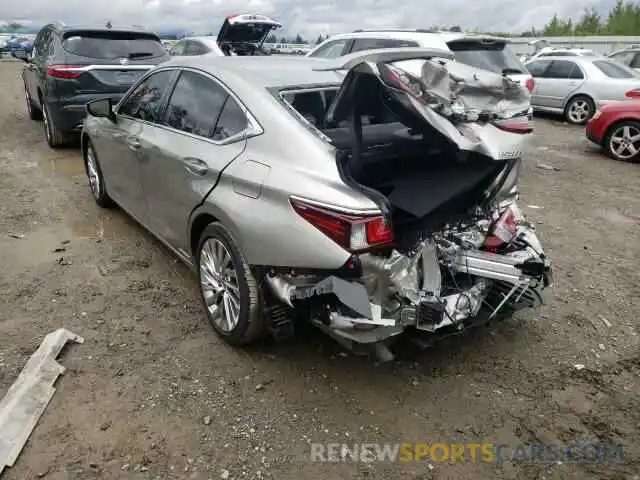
228, 289
55, 138
34, 113
622, 141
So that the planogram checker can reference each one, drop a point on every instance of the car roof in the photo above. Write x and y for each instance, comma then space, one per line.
102, 28
207, 39
417, 34
260, 72
576, 58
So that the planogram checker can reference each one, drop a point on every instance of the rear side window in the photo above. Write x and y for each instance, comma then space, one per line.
374, 43
613, 70
145, 103
112, 45
231, 122
537, 68
563, 69
494, 57
195, 105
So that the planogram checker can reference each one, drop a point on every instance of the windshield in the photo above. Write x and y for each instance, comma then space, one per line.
495, 57
614, 70
111, 45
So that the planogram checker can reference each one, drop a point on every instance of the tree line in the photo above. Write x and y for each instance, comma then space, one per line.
622, 19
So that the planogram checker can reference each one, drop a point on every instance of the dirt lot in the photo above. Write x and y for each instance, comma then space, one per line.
153, 393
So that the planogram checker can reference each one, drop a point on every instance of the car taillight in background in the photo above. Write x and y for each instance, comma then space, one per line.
64, 71
502, 231
530, 83
355, 233
635, 93
520, 125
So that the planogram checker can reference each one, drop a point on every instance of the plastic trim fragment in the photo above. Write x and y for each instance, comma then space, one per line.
27, 398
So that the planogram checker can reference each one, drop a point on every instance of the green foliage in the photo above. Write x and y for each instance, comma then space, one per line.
623, 19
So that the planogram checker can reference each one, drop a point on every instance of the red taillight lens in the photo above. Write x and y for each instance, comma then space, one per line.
530, 84
520, 125
635, 93
64, 71
501, 231
355, 233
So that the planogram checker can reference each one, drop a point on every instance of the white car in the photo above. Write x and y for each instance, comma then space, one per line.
629, 57
482, 51
562, 52
240, 35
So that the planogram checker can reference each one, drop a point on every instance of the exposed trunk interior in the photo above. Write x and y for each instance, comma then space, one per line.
414, 173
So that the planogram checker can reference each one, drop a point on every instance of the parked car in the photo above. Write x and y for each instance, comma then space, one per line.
480, 51
616, 128
239, 35
576, 86
629, 57
562, 52
290, 207
18, 44
70, 66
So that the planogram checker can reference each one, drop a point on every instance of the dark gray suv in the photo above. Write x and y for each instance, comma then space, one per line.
70, 66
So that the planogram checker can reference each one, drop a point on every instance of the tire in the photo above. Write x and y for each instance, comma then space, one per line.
238, 288
620, 134
95, 178
579, 110
55, 138
34, 113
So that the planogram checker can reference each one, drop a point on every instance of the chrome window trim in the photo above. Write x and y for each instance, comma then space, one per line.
337, 208
253, 129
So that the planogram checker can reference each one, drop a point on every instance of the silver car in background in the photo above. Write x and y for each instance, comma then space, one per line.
576, 86
370, 203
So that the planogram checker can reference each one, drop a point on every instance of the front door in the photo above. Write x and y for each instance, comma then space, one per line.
139, 110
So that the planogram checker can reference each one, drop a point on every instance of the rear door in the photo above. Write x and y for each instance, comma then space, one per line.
106, 62
537, 68
204, 131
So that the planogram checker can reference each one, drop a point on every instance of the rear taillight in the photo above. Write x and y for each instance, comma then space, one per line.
502, 231
530, 84
514, 125
355, 233
64, 71
635, 93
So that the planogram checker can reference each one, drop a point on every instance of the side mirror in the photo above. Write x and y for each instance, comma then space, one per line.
20, 55
101, 108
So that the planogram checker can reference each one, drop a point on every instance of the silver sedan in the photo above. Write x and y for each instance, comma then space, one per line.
576, 86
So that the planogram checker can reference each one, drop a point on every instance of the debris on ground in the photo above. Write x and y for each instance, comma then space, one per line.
30, 394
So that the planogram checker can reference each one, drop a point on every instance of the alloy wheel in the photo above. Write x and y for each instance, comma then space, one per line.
93, 173
47, 127
579, 111
625, 142
219, 284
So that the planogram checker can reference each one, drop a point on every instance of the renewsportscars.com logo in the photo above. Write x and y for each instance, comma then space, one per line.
464, 452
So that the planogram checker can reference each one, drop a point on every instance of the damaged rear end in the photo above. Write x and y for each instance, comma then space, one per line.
436, 145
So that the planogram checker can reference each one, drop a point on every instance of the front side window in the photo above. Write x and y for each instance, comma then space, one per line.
146, 101
178, 49
195, 105
330, 50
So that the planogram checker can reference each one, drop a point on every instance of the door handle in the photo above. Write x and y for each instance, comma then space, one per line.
195, 166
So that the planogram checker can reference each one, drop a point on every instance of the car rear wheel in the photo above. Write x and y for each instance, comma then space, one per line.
622, 141
579, 110
228, 289
34, 113
95, 178
55, 138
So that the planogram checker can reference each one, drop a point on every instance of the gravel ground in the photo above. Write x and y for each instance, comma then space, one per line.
153, 393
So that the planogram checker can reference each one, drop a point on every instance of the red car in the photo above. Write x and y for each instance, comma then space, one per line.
616, 128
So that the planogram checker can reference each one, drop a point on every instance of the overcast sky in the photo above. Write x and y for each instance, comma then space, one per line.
306, 16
